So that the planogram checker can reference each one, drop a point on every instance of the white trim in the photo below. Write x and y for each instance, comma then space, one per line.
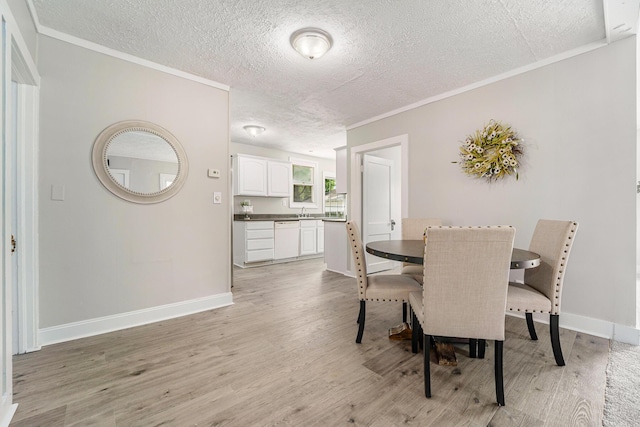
315, 191
102, 325
26, 64
481, 83
591, 326
28, 261
7, 416
127, 57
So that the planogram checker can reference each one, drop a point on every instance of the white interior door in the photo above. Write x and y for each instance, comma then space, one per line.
377, 174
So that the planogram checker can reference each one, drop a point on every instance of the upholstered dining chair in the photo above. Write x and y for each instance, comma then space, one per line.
376, 287
413, 229
466, 275
541, 291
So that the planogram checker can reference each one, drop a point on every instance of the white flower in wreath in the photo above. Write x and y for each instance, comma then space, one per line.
480, 150
469, 157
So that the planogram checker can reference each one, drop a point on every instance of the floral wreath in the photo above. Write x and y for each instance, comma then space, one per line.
491, 153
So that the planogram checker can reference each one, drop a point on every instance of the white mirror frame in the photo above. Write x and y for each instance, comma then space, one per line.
101, 169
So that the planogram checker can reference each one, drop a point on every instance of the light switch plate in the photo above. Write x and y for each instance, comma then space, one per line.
57, 192
217, 198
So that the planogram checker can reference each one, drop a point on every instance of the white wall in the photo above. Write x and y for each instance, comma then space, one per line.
100, 255
578, 118
271, 205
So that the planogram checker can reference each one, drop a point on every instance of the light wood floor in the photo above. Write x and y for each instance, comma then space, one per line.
285, 354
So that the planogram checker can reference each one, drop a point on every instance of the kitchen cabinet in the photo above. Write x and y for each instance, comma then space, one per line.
308, 237
260, 176
279, 178
311, 237
252, 242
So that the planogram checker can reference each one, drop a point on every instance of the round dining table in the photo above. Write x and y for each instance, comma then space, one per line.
412, 251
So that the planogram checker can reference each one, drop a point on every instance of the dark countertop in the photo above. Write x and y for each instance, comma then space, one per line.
286, 217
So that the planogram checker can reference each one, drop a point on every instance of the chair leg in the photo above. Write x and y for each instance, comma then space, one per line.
498, 372
473, 346
414, 333
404, 312
482, 345
554, 330
427, 368
532, 328
361, 321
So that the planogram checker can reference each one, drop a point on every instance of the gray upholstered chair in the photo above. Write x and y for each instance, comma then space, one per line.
377, 287
413, 229
541, 291
466, 275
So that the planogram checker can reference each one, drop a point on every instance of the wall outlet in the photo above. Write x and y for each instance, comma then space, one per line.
213, 173
284, 202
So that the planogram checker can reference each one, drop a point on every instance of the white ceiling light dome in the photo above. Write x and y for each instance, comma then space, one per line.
254, 130
311, 43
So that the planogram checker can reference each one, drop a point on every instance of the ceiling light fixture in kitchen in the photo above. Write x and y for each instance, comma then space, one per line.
253, 130
311, 43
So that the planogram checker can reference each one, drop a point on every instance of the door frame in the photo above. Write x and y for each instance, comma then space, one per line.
24, 72
27, 221
355, 162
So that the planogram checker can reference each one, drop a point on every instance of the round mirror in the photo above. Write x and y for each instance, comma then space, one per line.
139, 161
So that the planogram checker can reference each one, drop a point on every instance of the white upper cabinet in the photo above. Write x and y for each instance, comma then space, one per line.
259, 176
250, 176
278, 178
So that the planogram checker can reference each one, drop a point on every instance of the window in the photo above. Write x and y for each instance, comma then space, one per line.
303, 194
334, 203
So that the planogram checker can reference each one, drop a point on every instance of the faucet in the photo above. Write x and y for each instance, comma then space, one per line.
302, 213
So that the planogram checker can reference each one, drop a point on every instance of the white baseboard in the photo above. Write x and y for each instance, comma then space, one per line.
102, 325
5, 418
596, 327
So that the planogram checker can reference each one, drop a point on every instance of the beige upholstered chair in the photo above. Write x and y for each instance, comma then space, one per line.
542, 288
377, 287
466, 275
413, 229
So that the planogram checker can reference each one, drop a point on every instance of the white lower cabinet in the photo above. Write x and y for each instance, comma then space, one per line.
261, 242
252, 242
311, 237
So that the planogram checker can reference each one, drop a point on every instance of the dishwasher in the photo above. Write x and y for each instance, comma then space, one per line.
286, 239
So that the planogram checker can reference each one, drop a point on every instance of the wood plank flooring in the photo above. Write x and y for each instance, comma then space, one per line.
285, 354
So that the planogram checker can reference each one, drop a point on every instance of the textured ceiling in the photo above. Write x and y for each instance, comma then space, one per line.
387, 54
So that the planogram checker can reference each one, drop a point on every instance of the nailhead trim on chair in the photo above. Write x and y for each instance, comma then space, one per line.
572, 232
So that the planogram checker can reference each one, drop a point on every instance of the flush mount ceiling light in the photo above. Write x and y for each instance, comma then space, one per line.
311, 43
254, 130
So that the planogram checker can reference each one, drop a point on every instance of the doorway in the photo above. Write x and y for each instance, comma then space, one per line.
22, 114
389, 175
